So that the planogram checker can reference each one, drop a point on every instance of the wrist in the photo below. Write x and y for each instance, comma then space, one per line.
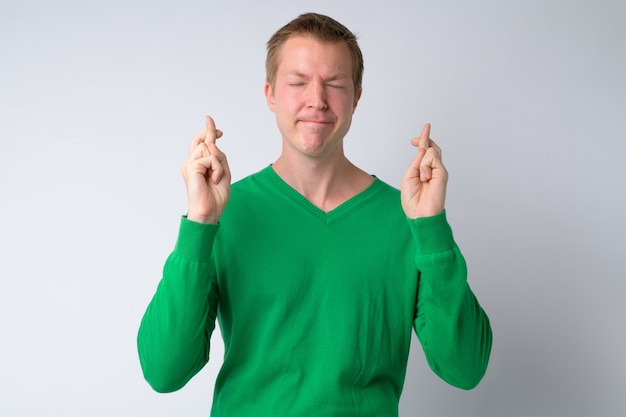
203, 219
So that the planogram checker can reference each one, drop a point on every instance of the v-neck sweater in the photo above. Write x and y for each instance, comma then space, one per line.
315, 308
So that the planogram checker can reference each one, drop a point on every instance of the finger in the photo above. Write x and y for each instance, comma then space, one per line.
424, 139
207, 166
198, 139
425, 170
412, 171
211, 134
195, 154
203, 150
221, 158
435, 147
430, 162
422, 142
214, 168
212, 149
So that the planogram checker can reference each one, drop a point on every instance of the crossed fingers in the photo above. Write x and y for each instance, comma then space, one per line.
429, 154
204, 156
208, 136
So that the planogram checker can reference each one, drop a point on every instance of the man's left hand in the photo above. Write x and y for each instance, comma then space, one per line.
423, 187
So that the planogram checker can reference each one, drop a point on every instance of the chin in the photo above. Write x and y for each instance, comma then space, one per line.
320, 150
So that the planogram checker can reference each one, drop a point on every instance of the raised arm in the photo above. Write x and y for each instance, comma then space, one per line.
453, 329
174, 336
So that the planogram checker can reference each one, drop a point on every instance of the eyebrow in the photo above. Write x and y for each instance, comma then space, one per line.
334, 77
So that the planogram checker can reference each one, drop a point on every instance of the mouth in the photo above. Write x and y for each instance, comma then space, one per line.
318, 122
316, 126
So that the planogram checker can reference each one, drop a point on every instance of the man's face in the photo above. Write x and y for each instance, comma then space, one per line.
313, 95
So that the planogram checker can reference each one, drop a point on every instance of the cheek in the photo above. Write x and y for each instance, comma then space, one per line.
342, 100
347, 107
288, 103
285, 111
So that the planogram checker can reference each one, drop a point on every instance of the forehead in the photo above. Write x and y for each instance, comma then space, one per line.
305, 54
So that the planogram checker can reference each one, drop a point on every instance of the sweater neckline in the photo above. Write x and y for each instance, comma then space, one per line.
326, 216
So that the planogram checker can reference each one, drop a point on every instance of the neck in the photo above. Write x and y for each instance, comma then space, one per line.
326, 182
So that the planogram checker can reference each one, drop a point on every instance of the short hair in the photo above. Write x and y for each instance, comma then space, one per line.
321, 28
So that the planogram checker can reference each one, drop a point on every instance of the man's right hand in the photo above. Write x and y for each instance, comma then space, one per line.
207, 176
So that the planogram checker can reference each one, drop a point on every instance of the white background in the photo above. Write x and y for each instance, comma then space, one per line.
98, 103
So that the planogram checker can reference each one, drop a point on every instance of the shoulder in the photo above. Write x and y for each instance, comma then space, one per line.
252, 182
385, 191
253, 193
381, 201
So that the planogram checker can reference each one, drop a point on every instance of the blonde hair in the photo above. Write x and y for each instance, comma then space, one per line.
321, 28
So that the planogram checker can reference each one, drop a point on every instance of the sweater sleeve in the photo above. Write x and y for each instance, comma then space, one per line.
453, 329
175, 332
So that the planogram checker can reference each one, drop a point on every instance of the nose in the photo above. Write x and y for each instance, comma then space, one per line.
316, 95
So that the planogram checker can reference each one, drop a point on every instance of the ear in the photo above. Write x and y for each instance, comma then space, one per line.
357, 97
269, 96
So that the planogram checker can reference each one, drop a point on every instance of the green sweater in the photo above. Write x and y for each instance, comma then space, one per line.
316, 309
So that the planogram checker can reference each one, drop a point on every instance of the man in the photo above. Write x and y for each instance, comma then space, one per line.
316, 270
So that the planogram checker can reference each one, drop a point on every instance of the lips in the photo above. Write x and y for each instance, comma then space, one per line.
316, 117
315, 125
322, 122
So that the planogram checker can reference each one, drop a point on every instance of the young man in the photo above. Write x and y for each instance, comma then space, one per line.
316, 270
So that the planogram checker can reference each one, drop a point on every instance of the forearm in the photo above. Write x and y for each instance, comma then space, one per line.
174, 335
451, 325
